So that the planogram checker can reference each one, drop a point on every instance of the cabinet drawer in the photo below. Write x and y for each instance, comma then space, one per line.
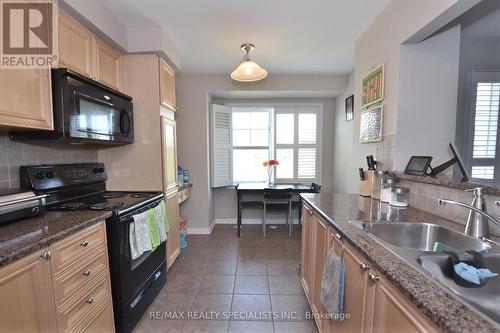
79, 275
99, 321
68, 251
84, 303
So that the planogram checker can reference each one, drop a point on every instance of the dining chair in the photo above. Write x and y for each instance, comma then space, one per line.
250, 204
278, 200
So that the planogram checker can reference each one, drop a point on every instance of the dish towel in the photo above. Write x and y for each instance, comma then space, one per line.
154, 229
163, 226
139, 235
473, 274
332, 284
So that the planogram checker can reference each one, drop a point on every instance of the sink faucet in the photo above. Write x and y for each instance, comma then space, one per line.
477, 222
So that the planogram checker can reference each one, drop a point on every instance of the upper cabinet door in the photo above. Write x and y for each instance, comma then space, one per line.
25, 98
167, 86
108, 65
75, 45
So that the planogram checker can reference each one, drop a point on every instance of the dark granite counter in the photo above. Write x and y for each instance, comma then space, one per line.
449, 313
21, 238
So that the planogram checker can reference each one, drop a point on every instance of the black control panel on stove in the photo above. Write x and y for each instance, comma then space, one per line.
46, 177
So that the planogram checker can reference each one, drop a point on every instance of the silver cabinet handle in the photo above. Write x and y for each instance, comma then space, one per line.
373, 277
89, 300
84, 243
364, 267
46, 255
338, 236
87, 272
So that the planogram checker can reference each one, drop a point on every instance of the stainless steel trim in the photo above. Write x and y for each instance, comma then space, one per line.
21, 200
142, 203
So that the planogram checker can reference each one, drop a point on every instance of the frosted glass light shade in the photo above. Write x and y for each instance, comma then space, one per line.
248, 71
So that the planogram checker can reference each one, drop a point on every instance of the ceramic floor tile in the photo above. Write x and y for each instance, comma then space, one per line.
285, 284
148, 325
251, 267
221, 267
210, 307
191, 267
182, 283
248, 284
295, 327
281, 267
251, 307
217, 284
171, 302
290, 307
251, 327
205, 326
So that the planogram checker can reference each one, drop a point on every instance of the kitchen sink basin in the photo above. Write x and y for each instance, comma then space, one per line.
423, 236
485, 298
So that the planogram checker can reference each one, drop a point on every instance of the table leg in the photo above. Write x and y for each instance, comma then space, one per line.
238, 218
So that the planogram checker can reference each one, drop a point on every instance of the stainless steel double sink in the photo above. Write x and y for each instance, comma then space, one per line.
420, 245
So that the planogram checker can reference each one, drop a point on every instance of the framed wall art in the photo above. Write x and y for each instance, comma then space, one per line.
373, 87
349, 108
371, 124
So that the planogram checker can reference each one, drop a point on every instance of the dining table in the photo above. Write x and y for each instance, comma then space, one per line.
257, 188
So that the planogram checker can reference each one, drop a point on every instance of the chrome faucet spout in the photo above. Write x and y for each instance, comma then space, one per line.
443, 202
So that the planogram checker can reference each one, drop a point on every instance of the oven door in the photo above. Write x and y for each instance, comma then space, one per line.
127, 274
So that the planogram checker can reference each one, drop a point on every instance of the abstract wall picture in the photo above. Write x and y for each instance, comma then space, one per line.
373, 87
349, 108
371, 125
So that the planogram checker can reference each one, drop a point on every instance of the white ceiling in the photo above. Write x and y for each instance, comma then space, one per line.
291, 36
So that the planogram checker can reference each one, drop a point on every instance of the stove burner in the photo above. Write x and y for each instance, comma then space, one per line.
106, 205
141, 195
113, 195
72, 206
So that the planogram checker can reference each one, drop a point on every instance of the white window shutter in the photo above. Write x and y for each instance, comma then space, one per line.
221, 156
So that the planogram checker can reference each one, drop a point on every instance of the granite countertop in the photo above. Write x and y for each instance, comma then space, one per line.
21, 238
449, 313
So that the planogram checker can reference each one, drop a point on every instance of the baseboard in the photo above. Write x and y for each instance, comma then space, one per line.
252, 221
199, 231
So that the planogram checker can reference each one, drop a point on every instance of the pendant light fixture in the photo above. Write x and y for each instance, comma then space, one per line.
248, 71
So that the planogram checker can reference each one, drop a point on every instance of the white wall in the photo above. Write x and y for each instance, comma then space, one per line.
343, 143
194, 93
427, 101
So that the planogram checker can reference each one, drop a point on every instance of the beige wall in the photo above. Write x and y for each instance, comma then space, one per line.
194, 93
343, 143
381, 43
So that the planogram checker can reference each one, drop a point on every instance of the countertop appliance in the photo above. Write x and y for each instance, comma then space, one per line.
72, 187
85, 111
16, 204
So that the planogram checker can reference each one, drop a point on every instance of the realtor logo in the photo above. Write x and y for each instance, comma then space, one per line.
29, 38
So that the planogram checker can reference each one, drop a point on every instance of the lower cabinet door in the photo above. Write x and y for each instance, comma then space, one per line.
306, 255
101, 321
27, 303
320, 248
393, 313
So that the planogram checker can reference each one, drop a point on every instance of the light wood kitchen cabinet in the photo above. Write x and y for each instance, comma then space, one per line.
169, 155
75, 45
167, 85
306, 252
27, 300
59, 289
108, 64
372, 302
173, 241
26, 99
82, 51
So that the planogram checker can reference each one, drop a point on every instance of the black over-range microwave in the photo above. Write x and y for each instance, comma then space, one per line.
85, 111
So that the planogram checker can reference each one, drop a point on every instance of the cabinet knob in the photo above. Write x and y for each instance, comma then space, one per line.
364, 267
87, 272
84, 243
46, 255
373, 277
89, 300
299, 268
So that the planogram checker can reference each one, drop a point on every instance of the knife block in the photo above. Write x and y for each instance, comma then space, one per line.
365, 186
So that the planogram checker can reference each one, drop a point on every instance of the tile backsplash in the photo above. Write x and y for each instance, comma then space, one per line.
385, 152
14, 154
425, 197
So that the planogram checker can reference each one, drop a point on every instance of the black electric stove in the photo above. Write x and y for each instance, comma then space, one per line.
72, 187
